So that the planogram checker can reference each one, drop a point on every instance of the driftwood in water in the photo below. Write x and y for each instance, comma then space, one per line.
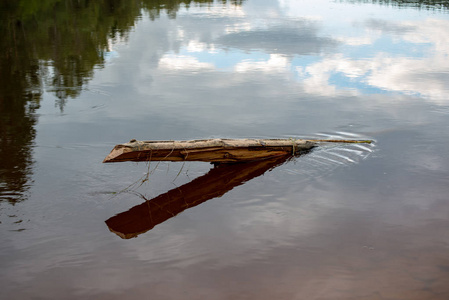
215, 183
221, 179
214, 150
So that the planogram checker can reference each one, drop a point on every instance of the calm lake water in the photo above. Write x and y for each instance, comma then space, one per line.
341, 222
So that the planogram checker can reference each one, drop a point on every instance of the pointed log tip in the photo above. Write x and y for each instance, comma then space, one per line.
108, 159
115, 153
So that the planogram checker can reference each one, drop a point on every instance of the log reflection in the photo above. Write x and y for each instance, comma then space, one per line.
215, 183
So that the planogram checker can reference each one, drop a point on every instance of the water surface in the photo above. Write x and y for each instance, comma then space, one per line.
341, 222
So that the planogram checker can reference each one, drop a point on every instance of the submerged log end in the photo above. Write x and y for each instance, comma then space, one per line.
304, 145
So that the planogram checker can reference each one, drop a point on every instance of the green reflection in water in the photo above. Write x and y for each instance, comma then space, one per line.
55, 44
421, 4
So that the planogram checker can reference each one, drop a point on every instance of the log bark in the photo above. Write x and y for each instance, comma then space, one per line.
213, 150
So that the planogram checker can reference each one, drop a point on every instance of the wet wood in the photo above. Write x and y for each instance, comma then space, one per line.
215, 183
213, 150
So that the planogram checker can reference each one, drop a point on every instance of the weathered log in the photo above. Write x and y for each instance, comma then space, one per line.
213, 150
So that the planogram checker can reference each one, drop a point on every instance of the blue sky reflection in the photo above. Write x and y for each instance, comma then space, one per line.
370, 52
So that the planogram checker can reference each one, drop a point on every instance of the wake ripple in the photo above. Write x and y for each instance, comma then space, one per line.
326, 158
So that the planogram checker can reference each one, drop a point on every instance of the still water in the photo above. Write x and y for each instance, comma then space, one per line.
341, 222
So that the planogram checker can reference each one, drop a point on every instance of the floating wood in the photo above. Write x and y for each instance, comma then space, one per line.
212, 150
215, 183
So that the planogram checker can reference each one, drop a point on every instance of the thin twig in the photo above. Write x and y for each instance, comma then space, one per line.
344, 141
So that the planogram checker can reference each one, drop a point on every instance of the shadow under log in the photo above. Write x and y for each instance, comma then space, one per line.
218, 181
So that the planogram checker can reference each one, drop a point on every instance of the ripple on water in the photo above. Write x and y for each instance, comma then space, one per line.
327, 157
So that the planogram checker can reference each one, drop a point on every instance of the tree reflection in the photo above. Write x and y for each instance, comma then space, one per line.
424, 4
54, 45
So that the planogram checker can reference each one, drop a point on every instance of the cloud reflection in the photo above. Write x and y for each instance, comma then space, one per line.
182, 62
275, 64
301, 40
414, 64
420, 76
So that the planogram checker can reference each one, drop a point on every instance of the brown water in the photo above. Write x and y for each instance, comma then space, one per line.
341, 222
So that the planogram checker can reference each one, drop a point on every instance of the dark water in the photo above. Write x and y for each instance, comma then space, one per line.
342, 222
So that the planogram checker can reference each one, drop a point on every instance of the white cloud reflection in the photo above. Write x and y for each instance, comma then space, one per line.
419, 74
238, 27
196, 46
234, 63
423, 75
182, 62
276, 63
